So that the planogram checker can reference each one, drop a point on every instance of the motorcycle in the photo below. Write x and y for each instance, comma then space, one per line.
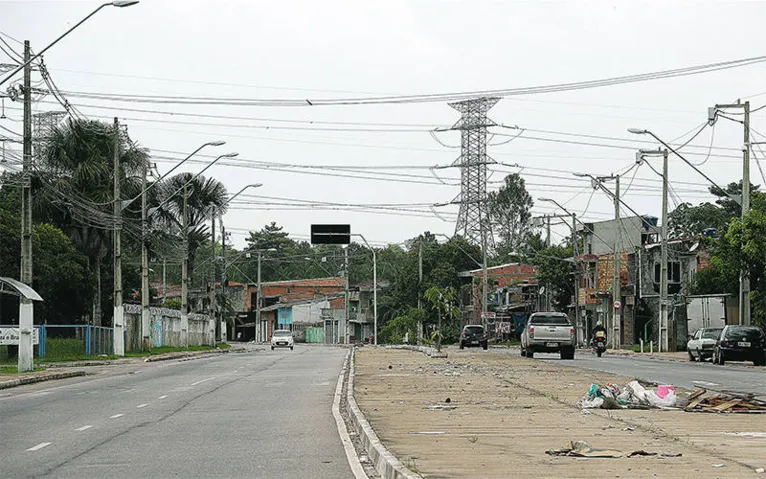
599, 343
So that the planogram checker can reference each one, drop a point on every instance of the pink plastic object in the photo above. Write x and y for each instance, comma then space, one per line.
664, 389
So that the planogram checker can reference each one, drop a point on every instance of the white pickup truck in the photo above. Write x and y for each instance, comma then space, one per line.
548, 333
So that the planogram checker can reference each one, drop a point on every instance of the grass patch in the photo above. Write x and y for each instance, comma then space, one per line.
168, 349
56, 348
15, 369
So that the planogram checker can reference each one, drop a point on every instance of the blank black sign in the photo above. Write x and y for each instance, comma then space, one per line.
330, 234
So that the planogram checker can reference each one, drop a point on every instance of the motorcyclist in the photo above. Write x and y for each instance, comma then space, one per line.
597, 328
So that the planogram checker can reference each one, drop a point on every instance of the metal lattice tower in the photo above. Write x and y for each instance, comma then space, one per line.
43, 124
473, 222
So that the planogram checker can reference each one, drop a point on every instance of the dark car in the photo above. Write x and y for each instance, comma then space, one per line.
473, 335
740, 343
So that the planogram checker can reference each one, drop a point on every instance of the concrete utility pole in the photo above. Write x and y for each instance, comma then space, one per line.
374, 288
164, 282
26, 308
579, 332
145, 318
744, 275
259, 299
224, 332
119, 325
616, 293
213, 300
420, 286
347, 302
185, 272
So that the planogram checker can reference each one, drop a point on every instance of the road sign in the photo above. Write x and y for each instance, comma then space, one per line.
330, 234
487, 315
617, 304
10, 336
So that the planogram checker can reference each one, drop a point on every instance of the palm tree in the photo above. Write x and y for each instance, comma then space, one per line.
74, 187
204, 195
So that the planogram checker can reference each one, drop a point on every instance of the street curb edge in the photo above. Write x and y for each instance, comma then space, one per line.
38, 379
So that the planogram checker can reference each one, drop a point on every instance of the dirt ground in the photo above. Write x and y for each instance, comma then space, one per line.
508, 411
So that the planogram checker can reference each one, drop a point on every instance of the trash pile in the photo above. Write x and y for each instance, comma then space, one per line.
724, 402
583, 449
632, 396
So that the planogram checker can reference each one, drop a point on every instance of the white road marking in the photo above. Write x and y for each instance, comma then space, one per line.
43, 393
162, 397
705, 383
142, 405
116, 416
83, 428
202, 381
39, 446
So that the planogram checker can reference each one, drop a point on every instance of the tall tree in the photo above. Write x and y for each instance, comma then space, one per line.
510, 212
73, 187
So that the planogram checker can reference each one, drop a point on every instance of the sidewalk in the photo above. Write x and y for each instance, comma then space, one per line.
485, 415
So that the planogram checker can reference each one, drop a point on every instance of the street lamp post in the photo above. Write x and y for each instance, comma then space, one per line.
374, 289
145, 317
116, 3
213, 301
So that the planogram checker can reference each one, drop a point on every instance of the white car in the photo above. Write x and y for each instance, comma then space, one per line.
701, 345
282, 338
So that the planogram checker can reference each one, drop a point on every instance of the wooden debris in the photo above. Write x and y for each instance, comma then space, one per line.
728, 402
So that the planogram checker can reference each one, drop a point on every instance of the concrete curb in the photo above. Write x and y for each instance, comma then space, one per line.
185, 355
38, 379
387, 465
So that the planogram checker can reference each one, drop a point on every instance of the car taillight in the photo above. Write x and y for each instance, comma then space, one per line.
463, 333
532, 332
571, 332
485, 334
724, 342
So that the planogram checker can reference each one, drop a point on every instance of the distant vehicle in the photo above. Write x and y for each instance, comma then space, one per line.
282, 338
740, 343
702, 344
548, 333
474, 335
599, 343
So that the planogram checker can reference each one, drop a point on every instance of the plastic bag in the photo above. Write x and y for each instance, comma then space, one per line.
590, 403
655, 400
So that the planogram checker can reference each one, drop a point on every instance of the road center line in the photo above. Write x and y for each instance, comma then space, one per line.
163, 397
142, 405
116, 416
202, 381
39, 446
83, 428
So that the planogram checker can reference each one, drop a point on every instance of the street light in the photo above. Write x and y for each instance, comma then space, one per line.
374, 288
259, 299
116, 3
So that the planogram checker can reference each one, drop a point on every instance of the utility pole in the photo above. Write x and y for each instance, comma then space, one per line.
578, 327
744, 274
420, 286
164, 282
26, 308
664, 343
119, 326
617, 296
258, 301
347, 302
213, 302
484, 276
185, 272
224, 332
547, 245
145, 318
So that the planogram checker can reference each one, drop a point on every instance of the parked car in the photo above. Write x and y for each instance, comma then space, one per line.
282, 338
740, 343
702, 344
473, 335
548, 333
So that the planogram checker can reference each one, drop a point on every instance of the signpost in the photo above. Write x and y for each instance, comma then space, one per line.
330, 234
10, 336
617, 304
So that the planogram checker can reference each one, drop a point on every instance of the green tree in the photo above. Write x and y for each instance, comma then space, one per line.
510, 213
555, 269
444, 302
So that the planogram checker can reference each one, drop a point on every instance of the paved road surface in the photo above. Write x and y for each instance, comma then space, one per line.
265, 414
686, 374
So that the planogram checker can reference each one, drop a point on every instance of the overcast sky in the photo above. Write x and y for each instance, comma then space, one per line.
333, 49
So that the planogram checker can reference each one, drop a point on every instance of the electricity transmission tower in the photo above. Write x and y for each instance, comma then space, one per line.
473, 219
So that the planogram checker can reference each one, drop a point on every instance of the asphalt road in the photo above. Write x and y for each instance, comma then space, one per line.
264, 414
733, 377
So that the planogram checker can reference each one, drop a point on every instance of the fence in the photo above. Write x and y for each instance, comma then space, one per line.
165, 328
71, 341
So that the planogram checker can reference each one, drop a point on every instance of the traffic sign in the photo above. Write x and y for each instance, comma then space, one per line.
330, 234
487, 315
617, 304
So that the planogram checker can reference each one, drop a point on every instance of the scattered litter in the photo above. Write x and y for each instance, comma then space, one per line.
429, 433
448, 400
608, 427
724, 402
390, 367
440, 407
760, 470
746, 434
632, 396
719, 465
641, 453
629, 428
583, 449
452, 374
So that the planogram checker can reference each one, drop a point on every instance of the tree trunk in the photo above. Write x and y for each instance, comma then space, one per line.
97, 299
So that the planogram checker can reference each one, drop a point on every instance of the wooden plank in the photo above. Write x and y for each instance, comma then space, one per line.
697, 394
726, 405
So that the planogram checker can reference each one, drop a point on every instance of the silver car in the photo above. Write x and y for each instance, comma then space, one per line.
282, 338
702, 344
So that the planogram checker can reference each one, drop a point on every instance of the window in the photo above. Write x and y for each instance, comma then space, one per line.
674, 272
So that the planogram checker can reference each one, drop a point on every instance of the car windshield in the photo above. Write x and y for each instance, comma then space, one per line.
556, 320
711, 333
474, 329
743, 333
282, 333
